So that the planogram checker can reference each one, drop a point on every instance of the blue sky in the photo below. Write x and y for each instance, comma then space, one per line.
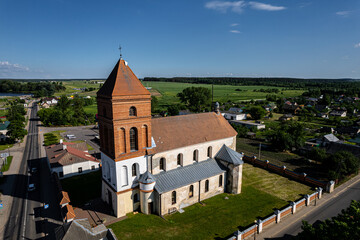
169, 38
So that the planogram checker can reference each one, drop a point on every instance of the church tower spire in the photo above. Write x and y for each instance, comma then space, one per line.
124, 110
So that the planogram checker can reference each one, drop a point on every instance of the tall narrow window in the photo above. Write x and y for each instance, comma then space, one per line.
132, 111
206, 185
191, 191
134, 170
209, 152
104, 111
162, 164
196, 155
220, 181
173, 197
145, 136
122, 140
133, 139
180, 159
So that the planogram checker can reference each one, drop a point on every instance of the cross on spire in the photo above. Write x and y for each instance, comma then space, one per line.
120, 52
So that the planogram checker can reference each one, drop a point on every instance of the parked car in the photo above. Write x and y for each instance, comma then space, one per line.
31, 187
70, 136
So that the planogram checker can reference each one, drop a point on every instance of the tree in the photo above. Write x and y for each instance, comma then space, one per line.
257, 112
241, 130
341, 164
344, 226
16, 130
195, 98
173, 110
63, 103
154, 104
287, 136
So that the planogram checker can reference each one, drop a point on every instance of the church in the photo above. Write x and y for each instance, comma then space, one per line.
160, 165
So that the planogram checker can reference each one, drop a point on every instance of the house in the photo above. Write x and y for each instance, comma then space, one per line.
44, 105
286, 117
270, 107
50, 101
322, 108
234, 115
323, 115
68, 159
291, 108
236, 109
330, 138
334, 147
160, 165
248, 124
81, 229
338, 113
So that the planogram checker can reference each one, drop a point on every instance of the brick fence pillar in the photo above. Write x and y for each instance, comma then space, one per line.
320, 192
238, 235
283, 170
260, 225
293, 207
267, 163
330, 186
307, 200
277, 213
304, 176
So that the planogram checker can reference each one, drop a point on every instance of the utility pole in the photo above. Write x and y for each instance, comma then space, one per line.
260, 151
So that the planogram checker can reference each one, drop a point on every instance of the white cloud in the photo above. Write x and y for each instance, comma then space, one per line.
357, 45
234, 31
223, 7
265, 6
234, 24
6, 67
343, 13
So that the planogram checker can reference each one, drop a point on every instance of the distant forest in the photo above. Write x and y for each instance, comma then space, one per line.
39, 89
294, 83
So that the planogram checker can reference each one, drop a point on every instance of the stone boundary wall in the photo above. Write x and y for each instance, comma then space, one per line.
300, 177
278, 216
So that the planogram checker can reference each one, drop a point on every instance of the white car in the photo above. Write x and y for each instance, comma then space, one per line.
31, 187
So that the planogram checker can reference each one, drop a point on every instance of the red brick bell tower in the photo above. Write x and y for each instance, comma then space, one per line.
124, 114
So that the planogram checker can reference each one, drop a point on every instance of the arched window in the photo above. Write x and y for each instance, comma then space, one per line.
134, 170
206, 185
162, 164
180, 159
173, 197
209, 152
136, 198
132, 111
133, 139
196, 155
122, 140
220, 181
191, 191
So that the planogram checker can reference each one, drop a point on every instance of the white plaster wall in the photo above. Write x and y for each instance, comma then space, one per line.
229, 116
72, 170
182, 194
117, 180
171, 156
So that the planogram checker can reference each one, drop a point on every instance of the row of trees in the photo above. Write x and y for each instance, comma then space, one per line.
39, 89
16, 128
344, 226
67, 112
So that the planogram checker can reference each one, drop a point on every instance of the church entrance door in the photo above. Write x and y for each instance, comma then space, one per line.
150, 205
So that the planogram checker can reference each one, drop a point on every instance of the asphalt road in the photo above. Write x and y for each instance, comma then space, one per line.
28, 219
324, 210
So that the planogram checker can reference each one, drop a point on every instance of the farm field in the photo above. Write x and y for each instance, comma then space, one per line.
218, 217
222, 93
70, 85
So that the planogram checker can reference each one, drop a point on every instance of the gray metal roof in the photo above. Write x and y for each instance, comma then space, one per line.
228, 155
331, 137
147, 177
182, 176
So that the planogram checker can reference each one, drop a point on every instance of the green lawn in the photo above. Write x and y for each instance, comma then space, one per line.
6, 166
262, 192
52, 137
83, 188
91, 109
5, 146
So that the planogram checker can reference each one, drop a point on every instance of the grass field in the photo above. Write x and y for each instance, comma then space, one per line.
5, 146
222, 93
83, 188
262, 192
166, 92
91, 109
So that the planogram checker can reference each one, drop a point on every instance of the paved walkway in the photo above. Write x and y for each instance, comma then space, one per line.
292, 222
17, 152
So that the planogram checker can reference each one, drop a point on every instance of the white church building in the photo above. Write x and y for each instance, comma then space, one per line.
160, 165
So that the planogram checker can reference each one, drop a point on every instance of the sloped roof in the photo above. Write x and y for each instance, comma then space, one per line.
4, 126
64, 197
186, 130
182, 176
121, 82
68, 212
147, 177
228, 155
334, 147
74, 153
331, 137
